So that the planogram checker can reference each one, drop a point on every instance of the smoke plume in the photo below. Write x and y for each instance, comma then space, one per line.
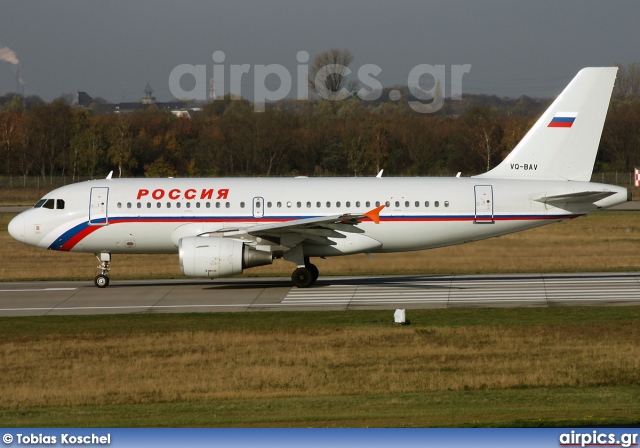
8, 55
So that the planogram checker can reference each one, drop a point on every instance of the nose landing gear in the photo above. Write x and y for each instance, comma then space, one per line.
102, 280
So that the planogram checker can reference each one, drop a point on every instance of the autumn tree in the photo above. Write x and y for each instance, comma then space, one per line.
119, 137
328, 74
483, 132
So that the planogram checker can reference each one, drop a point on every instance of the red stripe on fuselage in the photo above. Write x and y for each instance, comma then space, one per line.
71, 242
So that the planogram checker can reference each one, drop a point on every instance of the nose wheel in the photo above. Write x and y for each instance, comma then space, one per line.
102, 280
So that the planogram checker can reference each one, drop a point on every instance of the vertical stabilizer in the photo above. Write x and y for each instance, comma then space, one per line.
563, 143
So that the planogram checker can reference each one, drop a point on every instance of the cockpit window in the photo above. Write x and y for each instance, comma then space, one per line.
60, 204
39, 203
49, 203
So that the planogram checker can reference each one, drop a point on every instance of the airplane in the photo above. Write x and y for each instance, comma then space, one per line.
221, 226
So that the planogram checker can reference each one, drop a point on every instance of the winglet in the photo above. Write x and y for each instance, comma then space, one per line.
374, 215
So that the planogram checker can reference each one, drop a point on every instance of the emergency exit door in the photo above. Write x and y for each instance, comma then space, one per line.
484, 204
258, 207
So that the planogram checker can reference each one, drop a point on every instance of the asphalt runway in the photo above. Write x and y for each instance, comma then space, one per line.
329, 293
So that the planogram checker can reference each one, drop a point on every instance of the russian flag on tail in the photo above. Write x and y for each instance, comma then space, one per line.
563, 120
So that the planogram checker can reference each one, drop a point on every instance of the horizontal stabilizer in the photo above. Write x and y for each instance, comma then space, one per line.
583, 197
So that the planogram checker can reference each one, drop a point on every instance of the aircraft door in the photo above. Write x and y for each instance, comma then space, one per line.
98, 206
484, 204
258, 207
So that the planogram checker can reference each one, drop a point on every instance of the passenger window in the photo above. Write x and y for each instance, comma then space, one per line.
168, 204
39, 203
299, 204
436, 204
348, 204
426, 203
49, 203
357, 203
178, 205
397, 204
242, 204
227, 204
377, 203
446, 203
318, 204
367, 204
406, 204
328, 204
148, 204
289, 204
60, 204
188, 204
279, 204
139, 205
308, 204
128, 204
387, 203
208, 204
269, 204
158, 205
417, 204
119, 204
197, 205
217, 205
338, 204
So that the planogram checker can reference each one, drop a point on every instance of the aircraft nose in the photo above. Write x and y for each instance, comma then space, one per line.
16, 228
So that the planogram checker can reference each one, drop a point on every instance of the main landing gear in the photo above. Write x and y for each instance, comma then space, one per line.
102, 280
303, 277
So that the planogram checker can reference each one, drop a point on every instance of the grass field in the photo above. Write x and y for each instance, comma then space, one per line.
487, 367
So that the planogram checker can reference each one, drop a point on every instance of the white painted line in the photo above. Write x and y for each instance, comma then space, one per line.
34, 290
150, 307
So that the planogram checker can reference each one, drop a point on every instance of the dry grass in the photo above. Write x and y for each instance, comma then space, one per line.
603, 241
22, 196
99, 369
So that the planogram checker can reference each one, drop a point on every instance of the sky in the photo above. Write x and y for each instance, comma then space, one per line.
111, 49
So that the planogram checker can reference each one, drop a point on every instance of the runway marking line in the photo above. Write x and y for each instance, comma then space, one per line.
41, 289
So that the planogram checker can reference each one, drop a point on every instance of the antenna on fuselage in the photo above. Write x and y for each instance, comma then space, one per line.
380, 173
109, 175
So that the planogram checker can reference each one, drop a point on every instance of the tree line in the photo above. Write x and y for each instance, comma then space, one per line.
292, 137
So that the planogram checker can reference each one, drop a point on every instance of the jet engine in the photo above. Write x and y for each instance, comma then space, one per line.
214, 257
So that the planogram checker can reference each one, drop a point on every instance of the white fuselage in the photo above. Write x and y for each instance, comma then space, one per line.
151, 215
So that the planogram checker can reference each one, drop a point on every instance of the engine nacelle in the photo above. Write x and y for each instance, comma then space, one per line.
214, 257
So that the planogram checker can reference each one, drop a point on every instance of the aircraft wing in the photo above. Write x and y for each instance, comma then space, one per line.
316, 230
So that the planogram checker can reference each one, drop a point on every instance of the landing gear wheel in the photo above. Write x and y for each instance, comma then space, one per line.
314, 272
302, 277
101, 281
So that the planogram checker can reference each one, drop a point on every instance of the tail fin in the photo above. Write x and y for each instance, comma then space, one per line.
563, 143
